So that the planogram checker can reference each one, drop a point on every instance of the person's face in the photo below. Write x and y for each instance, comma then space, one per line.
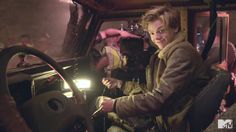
160, 34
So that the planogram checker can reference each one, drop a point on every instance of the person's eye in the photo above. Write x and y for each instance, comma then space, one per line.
161, 31
151, 33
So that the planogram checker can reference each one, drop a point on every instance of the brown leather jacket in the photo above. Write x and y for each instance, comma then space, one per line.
174, 76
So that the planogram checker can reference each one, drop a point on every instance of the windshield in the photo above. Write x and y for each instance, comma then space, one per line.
38, 24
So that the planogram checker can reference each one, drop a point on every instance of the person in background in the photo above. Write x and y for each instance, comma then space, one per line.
25, 40
175, 75
111, 57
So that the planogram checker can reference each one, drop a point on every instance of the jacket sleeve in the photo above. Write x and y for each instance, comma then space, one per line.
178, 74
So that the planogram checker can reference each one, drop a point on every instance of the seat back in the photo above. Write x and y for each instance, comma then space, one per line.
208, 101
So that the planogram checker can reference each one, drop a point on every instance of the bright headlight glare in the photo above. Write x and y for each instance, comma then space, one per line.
80, 83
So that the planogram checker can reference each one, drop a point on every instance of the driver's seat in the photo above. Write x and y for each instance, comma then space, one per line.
208, 101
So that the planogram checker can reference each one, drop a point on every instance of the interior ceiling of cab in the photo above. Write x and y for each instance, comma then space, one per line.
124, 5
119, 5
134, 4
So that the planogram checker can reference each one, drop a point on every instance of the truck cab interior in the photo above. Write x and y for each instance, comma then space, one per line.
56, 89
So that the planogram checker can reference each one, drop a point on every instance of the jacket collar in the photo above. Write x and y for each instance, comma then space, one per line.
178, 38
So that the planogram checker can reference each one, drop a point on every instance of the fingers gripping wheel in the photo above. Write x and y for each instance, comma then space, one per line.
53, 107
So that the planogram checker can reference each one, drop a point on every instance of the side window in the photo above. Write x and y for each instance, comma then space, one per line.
218, 52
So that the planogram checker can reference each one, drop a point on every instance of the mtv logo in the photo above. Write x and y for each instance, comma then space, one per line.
225, 123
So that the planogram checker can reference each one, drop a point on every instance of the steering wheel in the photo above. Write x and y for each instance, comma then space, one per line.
48, 108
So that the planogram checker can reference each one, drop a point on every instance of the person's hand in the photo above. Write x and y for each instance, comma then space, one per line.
106, 104
112, 83
223, 65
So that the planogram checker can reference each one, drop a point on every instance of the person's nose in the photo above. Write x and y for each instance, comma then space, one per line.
158, 36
